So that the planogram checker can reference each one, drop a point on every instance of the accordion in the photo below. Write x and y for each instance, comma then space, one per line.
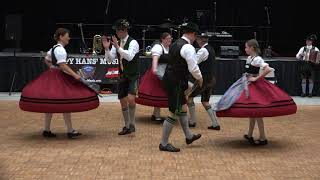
314, 57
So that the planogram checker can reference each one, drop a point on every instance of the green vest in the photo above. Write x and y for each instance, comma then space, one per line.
130, 68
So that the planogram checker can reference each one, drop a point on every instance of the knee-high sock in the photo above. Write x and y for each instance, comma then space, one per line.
126, 118
310, 86
156, 112
132, 113
67, 121
167, 127
304, 86
47, 121
185, 126
251, 126
192, 112
261, 129
212, 115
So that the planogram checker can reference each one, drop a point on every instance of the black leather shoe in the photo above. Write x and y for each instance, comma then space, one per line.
132, 128
168, 148
48, 134
192, 125
261, 143
217, 128
310, 95
73, 134
303, 95
125, 131
249, 139
194, 138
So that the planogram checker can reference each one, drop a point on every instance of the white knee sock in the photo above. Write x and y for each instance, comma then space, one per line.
185, 126
132, 114
192, 112
67, 121
156, 112
47, 121
212, 115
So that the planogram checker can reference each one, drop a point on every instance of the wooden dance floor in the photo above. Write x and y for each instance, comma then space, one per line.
293, 151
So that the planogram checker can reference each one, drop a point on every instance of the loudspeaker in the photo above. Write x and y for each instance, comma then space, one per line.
229, 51
13, 27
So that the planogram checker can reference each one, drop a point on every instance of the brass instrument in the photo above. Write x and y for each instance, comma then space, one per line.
97, 46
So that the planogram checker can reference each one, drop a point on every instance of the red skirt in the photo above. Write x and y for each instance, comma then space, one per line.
265, 100
151, 92
56, 92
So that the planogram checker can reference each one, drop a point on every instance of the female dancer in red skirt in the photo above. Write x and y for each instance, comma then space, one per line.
254, 97
151, 92
59, 89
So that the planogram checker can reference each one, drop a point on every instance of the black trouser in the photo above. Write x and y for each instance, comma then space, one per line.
206, 90
175, 91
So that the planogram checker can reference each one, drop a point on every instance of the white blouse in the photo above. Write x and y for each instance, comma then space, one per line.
257, 62
60, 54
158, 49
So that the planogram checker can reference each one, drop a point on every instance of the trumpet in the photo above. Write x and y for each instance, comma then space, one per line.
97, 46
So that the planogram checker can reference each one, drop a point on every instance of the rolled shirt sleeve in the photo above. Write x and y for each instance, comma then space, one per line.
131, 52
189, 54
202, 55
111, 55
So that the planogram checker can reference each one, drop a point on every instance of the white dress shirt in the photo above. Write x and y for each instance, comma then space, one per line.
188, 52
125, 54
301, 52
60, 54
202, 54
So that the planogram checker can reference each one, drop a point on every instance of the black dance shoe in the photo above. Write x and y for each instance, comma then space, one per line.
261, 143
249, 139
168, 148
73, 134
125, 131
194, 138
48, 134
217, 128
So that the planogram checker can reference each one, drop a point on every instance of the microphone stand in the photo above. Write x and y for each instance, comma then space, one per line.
268, 31
214, 15
144, 37
85, 48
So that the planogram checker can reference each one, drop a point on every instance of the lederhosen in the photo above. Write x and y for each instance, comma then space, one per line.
129, 74
208, 75
305, 67
175, 78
